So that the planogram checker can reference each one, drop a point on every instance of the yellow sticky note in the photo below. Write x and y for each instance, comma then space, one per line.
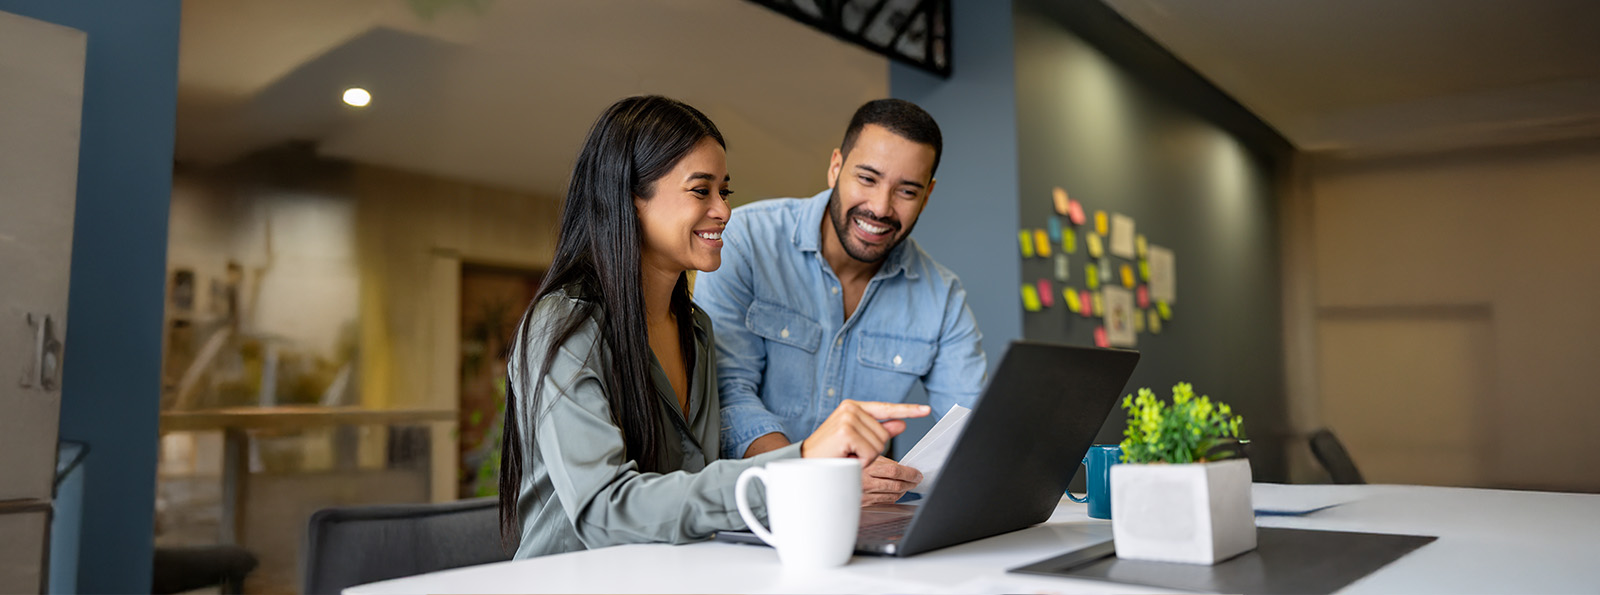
1027, 243
1099, 304
1141, 246
1072, 299
1095, 247
1144, 270
1138, 322
1155, 323
1041, 243
1127, 276
1030, 298
1069, 240
1092, 274
1164, 310
1101, 225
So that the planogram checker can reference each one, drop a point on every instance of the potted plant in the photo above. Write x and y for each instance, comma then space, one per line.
1183, 492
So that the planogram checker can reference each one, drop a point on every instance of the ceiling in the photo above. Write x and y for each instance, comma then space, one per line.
1394, 76
502, 91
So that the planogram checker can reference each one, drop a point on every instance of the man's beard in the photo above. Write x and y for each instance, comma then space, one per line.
841, 228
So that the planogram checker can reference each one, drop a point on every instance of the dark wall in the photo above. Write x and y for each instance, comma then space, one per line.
112, 365
967, 225
1125, 128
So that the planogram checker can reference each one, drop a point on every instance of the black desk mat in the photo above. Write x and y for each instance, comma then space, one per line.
1284, 561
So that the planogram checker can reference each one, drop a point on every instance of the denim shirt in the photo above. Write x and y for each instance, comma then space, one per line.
786, 354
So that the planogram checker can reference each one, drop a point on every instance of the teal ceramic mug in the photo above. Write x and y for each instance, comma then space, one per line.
1097, 477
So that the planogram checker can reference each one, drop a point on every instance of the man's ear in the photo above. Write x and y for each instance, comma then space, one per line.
835, 163
927, 194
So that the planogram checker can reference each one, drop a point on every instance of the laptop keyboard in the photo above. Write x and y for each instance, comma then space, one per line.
890, 529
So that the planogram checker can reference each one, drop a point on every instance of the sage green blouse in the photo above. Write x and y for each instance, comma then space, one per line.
580, 489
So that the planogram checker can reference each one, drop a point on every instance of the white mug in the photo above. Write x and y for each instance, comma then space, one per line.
814, 506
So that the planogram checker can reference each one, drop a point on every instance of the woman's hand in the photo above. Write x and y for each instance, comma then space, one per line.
854, 430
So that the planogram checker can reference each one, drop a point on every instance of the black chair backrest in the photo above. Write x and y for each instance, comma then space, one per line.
363, 544
1335, 458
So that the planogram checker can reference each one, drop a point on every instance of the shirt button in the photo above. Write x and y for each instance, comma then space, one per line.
897, 360
839, 342
835, 290
830, 392
784, 333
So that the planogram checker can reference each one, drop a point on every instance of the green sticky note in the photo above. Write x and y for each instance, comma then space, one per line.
1164, 310
1092, 273
1069, 241
1026, 237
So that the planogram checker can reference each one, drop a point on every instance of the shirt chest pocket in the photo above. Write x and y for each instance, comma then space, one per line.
789, 381
896, 354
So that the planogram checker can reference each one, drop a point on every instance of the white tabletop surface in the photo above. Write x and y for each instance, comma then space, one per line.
1490, 541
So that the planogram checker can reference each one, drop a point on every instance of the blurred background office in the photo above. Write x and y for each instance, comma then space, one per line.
305, 229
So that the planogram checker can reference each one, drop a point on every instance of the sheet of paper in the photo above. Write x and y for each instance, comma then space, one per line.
930, 453
1122, 236
1163, 275
1276, 499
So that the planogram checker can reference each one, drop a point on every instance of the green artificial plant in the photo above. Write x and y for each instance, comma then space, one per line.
1190, 430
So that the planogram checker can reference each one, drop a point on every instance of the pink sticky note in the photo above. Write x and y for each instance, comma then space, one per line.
1084, 301
1143, 295
1075, 212
1100, 337
1047, 296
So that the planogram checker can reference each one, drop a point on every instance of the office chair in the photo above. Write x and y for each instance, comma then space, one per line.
1331, 453
362, 544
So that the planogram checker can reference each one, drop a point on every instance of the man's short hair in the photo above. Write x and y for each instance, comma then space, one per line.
905, 119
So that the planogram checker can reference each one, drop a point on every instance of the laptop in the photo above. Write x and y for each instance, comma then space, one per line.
1021, 444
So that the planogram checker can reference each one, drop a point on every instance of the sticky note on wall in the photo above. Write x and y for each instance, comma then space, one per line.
1085, 304
1041, 243
1047, 294
1063, 267
1102, 223
1091, 276
1071, 297
1069, 240
1096, 249
1030, 298
1026, 239
1063, 203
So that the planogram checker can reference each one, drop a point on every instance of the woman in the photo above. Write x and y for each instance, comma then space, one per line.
612, 422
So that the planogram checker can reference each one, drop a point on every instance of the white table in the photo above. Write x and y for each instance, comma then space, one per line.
1490, 541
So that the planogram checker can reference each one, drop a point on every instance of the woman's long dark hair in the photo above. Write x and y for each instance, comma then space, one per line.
631, 146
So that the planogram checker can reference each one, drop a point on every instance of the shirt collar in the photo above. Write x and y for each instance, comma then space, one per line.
808, 238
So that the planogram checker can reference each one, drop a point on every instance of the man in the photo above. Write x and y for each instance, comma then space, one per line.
828, 298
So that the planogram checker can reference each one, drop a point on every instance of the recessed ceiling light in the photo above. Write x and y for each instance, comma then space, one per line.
357, 96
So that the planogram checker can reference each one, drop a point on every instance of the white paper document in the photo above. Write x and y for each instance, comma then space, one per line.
929, 454
1273, 499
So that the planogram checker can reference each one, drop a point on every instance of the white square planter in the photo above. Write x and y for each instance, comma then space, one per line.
1197, 513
